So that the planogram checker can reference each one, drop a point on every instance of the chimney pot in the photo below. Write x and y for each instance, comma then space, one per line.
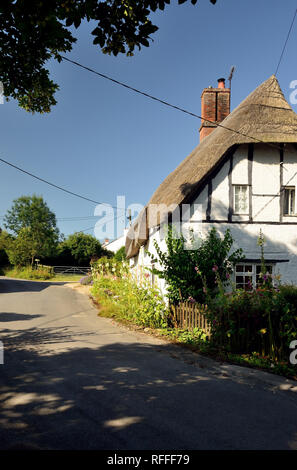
221, 83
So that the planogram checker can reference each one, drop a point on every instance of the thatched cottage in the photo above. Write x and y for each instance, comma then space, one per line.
243, 174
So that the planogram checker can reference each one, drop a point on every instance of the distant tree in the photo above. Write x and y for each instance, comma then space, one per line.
34, 226
6, 241
34, 31
23, 248
120, 255
83, 248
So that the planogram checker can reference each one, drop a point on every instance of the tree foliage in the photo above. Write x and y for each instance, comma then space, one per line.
34, 31
83, 248
187, 271
34, 226
6, 241
120, 255
23, 248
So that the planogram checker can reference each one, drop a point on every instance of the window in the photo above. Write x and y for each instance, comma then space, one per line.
244, 276
258, 271
241, 199
289, 201
247, 276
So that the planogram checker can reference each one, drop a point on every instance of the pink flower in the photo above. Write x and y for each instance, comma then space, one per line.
197, 270
191, 300
227, 276
204, 290
215, 268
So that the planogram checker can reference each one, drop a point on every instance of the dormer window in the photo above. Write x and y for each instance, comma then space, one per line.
241, 200
289, 200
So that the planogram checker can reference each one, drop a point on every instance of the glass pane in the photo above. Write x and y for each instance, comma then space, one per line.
248, 268
239, 268
268, 268
292, 201
289, 201
240, 199
286, 201
239, 279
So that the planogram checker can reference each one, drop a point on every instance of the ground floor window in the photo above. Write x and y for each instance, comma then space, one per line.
247, 275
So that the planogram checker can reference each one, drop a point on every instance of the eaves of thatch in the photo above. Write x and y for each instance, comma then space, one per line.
264, 116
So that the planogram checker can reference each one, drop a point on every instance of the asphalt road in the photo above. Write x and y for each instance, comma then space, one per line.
72, 380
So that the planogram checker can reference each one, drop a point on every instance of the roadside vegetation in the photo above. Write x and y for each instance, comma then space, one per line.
252, 327
121, 297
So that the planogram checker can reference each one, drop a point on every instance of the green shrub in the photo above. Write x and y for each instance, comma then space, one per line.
289, 293
120, 255
187, 270
263, 320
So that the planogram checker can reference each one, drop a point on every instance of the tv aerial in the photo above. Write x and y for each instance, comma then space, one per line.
231, 75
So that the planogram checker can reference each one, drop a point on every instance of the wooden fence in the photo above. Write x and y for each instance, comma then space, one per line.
189, 315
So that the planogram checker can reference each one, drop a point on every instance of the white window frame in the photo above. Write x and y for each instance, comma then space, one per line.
291, 204
250, 273
238, 211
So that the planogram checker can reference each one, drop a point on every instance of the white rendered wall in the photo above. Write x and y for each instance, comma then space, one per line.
281, 238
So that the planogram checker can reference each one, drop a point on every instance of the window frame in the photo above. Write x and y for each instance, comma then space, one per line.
288, 214
253, 274
247, 199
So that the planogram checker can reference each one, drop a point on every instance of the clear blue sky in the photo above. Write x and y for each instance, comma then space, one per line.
102, 140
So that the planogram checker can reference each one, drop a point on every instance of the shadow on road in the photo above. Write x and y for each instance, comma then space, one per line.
22, 285
11, 316
128, 396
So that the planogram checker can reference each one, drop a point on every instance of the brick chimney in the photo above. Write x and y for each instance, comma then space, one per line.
215, 106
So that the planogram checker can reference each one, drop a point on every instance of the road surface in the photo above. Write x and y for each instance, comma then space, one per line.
72, 380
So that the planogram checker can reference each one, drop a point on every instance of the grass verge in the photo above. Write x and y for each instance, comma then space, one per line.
39, 275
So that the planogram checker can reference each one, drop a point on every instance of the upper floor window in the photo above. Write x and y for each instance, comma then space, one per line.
289, 200
241, 201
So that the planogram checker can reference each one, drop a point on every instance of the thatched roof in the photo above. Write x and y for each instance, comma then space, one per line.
264, 116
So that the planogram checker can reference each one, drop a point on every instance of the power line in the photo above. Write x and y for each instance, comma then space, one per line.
286, 41
162, 101
153, 98
102, 223
148, 96
55, 185
73, 219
